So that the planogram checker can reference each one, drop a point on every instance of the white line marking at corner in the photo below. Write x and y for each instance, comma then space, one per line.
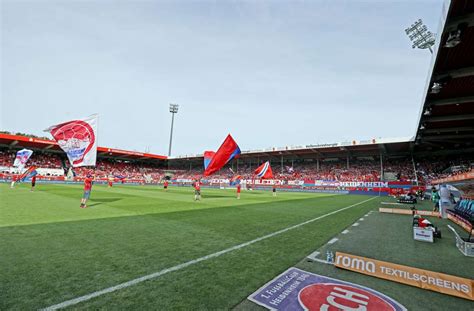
323, 261
144, 278
313, 255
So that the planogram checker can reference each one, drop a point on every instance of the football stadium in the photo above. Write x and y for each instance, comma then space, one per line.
374, 224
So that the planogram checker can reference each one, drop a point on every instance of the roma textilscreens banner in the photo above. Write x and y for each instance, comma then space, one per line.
438, 282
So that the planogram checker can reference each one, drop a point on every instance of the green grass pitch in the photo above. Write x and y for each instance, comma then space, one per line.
52, 251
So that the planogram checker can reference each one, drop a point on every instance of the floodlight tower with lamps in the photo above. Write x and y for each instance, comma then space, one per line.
173, 110
420, 36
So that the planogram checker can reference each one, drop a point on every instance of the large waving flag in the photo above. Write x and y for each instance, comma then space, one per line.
78, 138
226, 152
22, 157
264, 171
235, 180
30, 172
208, 157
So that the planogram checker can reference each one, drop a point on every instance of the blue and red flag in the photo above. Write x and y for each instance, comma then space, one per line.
30, 172
235, 180
208, 157
226, 152
264, 171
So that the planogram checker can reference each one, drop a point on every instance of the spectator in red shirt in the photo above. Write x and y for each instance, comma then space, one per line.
165, 185
87, 190
197, 190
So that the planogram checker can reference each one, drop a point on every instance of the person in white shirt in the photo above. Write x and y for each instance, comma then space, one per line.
445, 200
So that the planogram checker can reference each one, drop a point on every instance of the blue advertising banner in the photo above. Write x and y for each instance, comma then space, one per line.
297, 289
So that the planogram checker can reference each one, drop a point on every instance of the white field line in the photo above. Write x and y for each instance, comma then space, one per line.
323, 261
313, 255
355, 224
345, 231
333, 240
111, 289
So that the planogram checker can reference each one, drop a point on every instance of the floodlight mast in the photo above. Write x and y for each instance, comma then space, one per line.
173, 110
420, 36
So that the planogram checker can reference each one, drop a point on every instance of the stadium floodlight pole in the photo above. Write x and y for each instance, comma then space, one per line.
282, 164
173, 110
414, 170
382, 178
420, 36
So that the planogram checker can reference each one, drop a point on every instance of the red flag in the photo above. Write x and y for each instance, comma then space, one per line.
264, 171
226, 152
208, 155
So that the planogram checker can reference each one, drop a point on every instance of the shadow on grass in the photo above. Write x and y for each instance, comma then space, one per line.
100, 201
217, 196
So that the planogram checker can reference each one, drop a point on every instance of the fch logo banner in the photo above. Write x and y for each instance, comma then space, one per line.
297, 289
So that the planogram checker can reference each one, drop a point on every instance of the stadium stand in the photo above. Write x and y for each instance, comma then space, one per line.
364, 170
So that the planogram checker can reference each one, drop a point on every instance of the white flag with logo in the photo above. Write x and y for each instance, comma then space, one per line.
22, 157
78, 138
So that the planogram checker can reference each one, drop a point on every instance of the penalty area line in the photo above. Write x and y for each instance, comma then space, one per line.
155, 275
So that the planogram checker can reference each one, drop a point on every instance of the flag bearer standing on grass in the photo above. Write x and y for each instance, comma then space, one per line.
238, 191
14, 179
197, 190
33, 182
165, 185
274, 190
87, 190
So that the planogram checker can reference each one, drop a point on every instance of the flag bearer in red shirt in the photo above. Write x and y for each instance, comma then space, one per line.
33, 182
238, 191
197, 190
87, 190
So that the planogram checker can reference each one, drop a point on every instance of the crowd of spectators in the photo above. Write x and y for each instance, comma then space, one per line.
336, 171
397, 169
49, 160
108, 168
105, 168
401, 169
442, 168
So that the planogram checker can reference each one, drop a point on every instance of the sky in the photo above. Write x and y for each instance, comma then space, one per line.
271, 73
